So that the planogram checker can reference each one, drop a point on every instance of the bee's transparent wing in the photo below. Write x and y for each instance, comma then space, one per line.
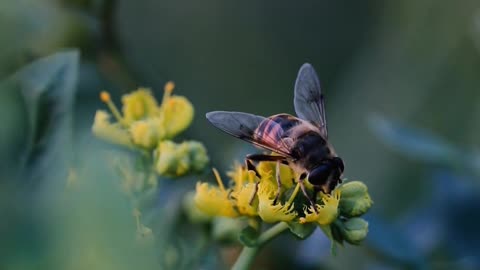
244, 126
309, 100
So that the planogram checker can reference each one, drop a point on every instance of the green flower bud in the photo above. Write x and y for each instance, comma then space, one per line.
355, 200
114, 133
168, 160
179, 159
353, 230
198, 155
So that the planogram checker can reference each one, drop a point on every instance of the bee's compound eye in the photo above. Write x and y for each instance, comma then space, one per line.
319, 175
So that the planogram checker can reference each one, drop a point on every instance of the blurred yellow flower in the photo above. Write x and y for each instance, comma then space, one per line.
113, 133
214, 201
138, 105
176, 114
146, 133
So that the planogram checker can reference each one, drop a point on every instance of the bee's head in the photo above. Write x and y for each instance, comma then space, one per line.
319, 175
327, 172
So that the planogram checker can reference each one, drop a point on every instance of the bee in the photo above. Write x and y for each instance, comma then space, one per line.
300, 142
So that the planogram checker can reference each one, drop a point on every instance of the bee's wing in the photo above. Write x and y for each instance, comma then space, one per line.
244, 126
308, 100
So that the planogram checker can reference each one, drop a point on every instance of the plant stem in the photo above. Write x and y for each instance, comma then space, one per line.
248, 253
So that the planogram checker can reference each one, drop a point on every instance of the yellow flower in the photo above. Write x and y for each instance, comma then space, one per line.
326, 213
138, 105
270, 212
113, 133
177, 114
268, 171
214, 201
243, 195
240, 176
146, 133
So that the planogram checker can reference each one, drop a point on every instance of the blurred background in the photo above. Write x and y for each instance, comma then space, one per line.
401, 80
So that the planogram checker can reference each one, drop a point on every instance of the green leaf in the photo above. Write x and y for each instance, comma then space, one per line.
249, 236
301, 231
47, 88
413, 142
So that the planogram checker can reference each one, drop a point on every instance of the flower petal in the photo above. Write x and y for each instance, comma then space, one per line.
326, 213
214, 201
270, 212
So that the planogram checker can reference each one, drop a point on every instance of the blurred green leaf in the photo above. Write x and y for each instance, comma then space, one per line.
414, 143
423, 146
47, 87
301, 231
249, 236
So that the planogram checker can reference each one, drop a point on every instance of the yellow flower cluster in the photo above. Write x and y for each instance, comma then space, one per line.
338, 214
145, 124
246, 198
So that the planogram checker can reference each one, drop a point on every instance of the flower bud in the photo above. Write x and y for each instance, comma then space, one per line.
355, 200
198, 155
354, 230
146, 133
138, 105
102, 128
179, 159
171, 159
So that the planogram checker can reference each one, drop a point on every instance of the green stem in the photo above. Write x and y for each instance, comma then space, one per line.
248, 253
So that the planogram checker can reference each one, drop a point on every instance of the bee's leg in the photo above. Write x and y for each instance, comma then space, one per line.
251, 167
255, 190
279, 183
315, 193
302, 186
260, 157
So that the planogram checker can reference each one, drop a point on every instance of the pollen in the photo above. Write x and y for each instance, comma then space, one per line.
105, 96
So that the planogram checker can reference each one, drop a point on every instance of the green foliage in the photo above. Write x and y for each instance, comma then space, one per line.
46, 88
302, 231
